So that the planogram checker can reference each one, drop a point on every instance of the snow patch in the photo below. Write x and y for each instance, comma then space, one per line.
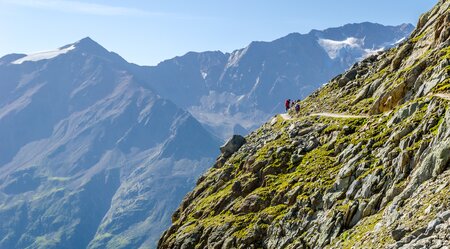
399, 41
204, 75
44, 55
235, 57
333, 47
370, 52
241, 98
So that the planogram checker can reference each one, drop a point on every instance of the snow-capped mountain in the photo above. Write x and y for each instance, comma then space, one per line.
238, 91
91, 156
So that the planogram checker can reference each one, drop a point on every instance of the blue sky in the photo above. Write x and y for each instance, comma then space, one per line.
149, 31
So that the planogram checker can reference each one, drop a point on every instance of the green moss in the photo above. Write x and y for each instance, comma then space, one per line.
242, 233
370, 171
331, 128
445, 53
443, 86
350, 238
278, 211
418, 38
205, 203
378, 75
414, 147
382, 137
343, 207
434, 130
318, 170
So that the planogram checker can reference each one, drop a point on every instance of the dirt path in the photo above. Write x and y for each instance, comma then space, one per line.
336, 115
286, 116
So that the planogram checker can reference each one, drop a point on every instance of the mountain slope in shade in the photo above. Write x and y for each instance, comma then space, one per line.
90, 156
244, 88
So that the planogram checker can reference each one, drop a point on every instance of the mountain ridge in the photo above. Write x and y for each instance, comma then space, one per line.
246, 85
81, 135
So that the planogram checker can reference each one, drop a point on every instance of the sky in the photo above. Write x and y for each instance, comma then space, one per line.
147, 32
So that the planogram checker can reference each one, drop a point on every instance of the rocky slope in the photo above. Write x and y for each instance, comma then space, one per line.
237, 92
90, 156
376, 177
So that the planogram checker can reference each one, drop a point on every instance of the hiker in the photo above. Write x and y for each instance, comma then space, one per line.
287, 104
297, 107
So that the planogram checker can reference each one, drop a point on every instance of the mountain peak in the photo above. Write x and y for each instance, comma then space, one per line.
407, 26
87, 44
87, 41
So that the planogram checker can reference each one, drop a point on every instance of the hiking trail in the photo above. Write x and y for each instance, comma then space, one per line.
286, 116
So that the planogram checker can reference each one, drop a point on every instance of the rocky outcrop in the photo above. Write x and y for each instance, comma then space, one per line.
232, 145
374, 178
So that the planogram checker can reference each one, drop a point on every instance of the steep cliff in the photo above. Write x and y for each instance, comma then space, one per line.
364, 164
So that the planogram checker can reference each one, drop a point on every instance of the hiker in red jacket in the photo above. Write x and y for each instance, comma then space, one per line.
287, 104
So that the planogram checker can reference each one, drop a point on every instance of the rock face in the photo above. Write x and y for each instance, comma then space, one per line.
375, 178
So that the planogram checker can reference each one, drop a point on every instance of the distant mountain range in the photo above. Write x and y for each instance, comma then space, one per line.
98, 153
236, 92
90, 155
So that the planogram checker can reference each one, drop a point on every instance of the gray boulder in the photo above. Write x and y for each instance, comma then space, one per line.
403, 114
399, 232
232, 145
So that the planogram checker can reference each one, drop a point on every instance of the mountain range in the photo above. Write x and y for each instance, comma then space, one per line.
97, 152
91, 156
237, 92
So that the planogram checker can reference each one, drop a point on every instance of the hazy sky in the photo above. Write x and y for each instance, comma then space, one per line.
148, 31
